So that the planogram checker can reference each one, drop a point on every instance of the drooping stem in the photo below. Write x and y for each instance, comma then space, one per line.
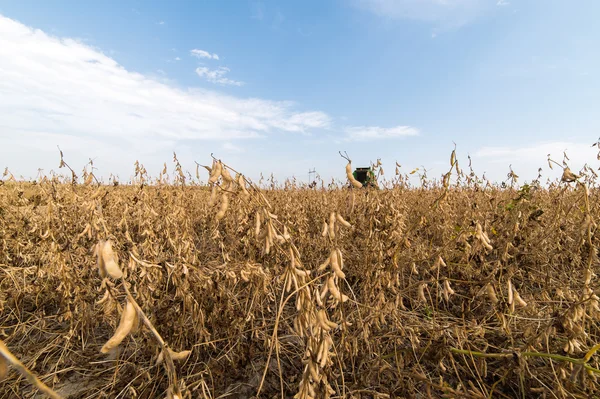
168, 360
25, 372
558, 358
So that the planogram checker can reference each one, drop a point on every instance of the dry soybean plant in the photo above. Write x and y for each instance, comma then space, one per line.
131, 316
452, 287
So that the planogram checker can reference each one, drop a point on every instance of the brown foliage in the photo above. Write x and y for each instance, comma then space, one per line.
463, 290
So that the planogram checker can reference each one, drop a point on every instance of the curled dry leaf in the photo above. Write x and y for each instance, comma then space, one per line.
568, 176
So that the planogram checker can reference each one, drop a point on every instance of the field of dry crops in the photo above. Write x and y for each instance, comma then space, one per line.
167, 288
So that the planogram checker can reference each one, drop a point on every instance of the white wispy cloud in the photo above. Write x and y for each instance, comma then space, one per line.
446, 13
177, 59
203, 54
160, 23
364, 133
278, 20
232, 148
258, 10
59, 91
502, 3
217, 76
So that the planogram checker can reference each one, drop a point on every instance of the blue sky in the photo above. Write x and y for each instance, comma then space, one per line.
282, 86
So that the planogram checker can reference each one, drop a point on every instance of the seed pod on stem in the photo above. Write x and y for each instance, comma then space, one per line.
350, 176
324, 291
318, 298
257, 224
446, 180
312, 369
335, 264
448, 291
226, 175
177, 356
3, 367
421, 292
288, 282
483, 237
340, 259
301, 273
491, 293
242, 184
110, 261
213, 196
98, 252
224, 206
332, 225
325, 229
215, 172
333, 289
518, 300
286, 235
321, 319
129, 321
343, 221
324, 265
439, 262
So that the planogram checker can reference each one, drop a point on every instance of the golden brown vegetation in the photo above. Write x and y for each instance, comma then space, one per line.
456, 288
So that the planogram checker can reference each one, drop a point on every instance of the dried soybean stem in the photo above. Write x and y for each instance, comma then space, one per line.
558, 358
282, 304
25, 372
168, 360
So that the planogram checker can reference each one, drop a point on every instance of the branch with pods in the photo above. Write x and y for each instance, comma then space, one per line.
311, 322
132, 315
